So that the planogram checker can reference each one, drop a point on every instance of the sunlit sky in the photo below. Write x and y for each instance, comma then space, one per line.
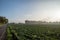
21, 10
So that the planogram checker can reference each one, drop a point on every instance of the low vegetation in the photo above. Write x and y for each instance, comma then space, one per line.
35, 32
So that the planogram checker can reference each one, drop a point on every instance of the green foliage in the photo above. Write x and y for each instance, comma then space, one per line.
9, 35
3, 20
36, 32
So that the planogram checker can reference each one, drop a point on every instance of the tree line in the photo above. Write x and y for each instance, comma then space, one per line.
3, 20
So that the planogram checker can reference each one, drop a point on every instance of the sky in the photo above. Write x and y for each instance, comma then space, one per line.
39, 10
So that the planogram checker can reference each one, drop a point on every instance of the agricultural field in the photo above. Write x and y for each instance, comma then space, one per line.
33, 32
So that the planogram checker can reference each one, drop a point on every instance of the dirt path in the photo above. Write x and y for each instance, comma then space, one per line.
3, 32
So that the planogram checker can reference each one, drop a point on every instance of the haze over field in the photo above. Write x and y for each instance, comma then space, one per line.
19, 11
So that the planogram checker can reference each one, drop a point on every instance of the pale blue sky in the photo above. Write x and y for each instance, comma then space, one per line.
20, 10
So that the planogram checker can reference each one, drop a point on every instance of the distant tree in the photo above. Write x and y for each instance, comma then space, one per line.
26, 21
3, 20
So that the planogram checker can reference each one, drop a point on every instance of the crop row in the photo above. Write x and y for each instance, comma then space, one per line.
36, 32
11, 34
